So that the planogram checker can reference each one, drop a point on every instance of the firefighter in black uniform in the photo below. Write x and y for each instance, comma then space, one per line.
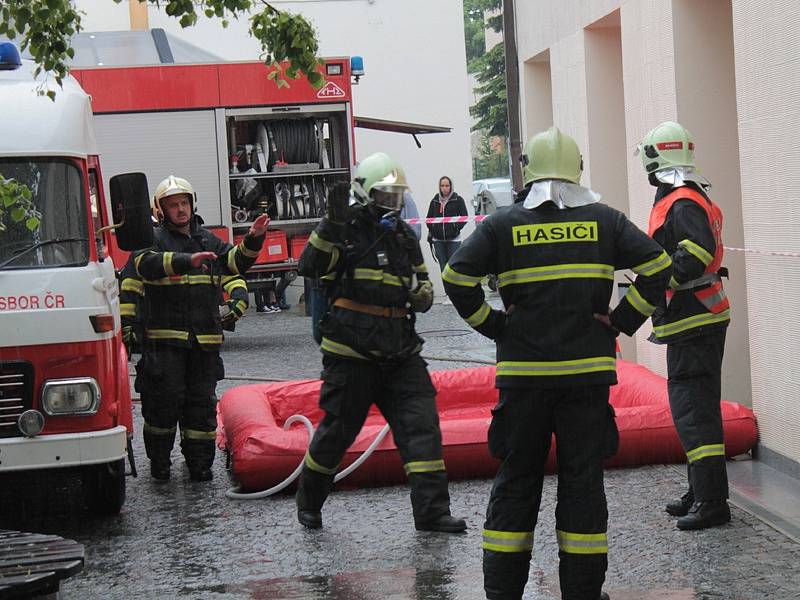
554, 253
691, 319
172, 304
367, 259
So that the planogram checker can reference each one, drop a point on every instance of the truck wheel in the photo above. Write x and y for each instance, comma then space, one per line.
104, 488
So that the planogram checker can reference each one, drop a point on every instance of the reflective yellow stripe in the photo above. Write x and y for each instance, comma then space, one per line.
697, 251
136, 262
507, 541
551, 272
127, 310
380, 275
329, 345
159, 430
193, 434
167, 263
420, 268
556, 367
477, 318
233, 283
232, 261
183, 280
691, 322
315, 466
325, 246
424, 466
246, 251
651, 267
582, 543
640, 304
368, 274
132, 285
166, 334
210, 338
673, 283
705, 451
320, 243
456, 278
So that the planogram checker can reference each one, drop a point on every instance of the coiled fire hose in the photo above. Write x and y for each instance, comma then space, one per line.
235, 494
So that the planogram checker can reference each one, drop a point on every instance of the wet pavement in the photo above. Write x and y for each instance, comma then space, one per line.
182, 539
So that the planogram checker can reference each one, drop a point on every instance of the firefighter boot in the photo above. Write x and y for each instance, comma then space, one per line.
445, 524
680, 506
312, 490
706, 514
159, 470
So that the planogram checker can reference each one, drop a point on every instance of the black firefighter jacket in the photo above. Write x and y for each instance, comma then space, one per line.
372, 265
556, 267
172, 303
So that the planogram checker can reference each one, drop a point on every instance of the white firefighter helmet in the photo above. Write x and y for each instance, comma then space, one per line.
171, 186
380, 181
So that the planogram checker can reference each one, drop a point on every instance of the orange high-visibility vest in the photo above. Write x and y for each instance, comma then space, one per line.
712, 297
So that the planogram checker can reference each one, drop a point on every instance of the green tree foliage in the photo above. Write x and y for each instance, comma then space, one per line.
488, 162
474, 29
16, 204
491, 109
46, 28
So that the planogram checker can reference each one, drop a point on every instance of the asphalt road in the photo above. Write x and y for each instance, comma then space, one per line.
182, 539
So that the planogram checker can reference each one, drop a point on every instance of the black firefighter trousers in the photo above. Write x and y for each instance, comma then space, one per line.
520, 435
178, 385
403, 392
695, 389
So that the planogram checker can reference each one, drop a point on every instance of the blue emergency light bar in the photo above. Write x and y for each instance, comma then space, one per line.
9, 57
356, 66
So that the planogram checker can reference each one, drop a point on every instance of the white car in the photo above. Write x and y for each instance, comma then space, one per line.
490, 194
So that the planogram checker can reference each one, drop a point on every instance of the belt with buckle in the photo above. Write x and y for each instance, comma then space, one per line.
370, 309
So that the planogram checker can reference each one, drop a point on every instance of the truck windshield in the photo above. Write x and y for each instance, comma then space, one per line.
57, 193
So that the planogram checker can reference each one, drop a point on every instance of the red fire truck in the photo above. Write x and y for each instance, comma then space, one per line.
246, 146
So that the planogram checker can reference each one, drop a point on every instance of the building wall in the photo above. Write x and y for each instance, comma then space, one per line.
767, 84
415, 71
617, 69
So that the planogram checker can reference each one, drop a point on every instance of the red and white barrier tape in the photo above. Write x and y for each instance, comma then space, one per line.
479, 218
439, 220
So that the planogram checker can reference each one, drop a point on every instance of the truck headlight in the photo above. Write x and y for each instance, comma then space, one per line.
71, 396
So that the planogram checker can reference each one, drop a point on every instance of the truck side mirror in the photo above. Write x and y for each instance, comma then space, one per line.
130, 208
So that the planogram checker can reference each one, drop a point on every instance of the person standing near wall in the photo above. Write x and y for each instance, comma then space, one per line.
692, 319
555, 253
445, 237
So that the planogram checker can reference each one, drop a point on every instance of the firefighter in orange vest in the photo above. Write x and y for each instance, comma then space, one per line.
692, 318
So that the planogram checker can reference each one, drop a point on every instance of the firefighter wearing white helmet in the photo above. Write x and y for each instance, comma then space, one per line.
554, 253
172, 295
375, 280
692, 318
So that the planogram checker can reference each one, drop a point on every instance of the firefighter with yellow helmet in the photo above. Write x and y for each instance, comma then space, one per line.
374, 278
554, 252
692, 318
172, 295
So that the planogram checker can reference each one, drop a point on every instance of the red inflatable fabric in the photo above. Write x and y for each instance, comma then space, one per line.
250, 426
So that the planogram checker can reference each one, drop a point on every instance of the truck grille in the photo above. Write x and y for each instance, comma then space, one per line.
16, 387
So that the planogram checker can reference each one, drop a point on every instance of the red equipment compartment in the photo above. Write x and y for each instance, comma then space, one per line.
296, 246
274, 249
250, 425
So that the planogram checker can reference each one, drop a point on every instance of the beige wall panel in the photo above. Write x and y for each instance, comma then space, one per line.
767, 92
648, 72
706, 92
568, 71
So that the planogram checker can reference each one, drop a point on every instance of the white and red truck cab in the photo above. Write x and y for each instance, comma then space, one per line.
64, 390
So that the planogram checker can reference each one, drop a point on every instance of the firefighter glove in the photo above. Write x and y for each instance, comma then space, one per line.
232, 310
339, 203
421, 297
